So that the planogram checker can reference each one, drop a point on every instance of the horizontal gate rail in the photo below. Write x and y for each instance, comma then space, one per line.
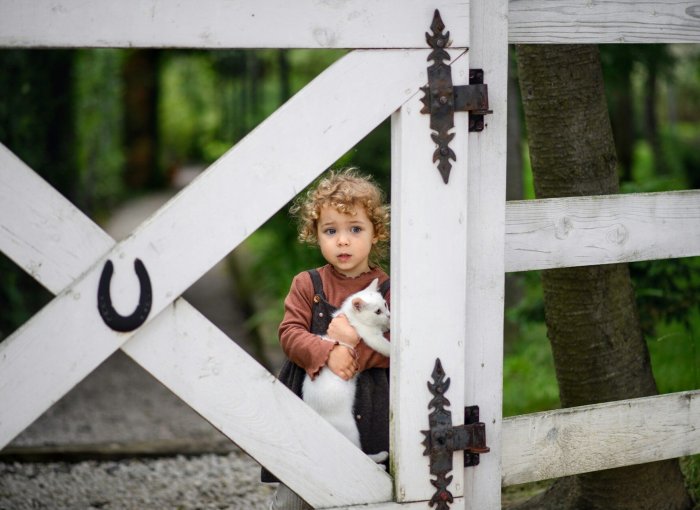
224, 23
280, 24
582, 231
565, 442
188, 354
603, 21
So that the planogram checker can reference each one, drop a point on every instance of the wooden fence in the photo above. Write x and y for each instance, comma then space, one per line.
65, 251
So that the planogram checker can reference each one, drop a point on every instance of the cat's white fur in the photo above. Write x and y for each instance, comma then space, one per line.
331, 396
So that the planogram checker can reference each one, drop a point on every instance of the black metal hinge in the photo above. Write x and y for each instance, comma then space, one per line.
443, 439
442, 98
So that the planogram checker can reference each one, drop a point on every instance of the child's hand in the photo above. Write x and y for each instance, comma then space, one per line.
341, 330
342, 362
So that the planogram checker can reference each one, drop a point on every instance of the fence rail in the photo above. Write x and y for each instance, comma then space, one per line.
583, 231
606, 21
603, 436
225, 24
358, 24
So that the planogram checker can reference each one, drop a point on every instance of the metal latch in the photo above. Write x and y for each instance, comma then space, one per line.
441, 99
443, 439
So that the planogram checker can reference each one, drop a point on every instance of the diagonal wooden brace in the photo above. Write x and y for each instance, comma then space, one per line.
67, 339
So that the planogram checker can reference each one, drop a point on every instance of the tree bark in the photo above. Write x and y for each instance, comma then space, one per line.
590, 312
141, 75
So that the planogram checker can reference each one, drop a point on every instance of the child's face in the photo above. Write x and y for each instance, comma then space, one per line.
346, 240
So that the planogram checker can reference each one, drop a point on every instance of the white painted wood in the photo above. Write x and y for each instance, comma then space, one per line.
42, 232
192, 357
241, 398
603, 21
225, 23
418, 505
603, 436
483, 379
428, 274
579, 231
199, 226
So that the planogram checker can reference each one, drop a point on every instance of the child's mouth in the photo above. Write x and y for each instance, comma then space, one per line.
343, 257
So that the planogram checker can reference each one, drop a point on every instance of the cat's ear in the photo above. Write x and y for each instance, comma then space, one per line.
357, 303
374, 285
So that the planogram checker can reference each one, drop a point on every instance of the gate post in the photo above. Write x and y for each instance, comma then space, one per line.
483, 379
429, 278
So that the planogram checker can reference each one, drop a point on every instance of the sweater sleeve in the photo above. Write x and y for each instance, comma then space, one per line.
300, 345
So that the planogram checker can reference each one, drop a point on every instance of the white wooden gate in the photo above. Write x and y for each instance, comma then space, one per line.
456, 230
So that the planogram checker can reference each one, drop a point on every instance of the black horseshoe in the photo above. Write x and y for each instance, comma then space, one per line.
104, 300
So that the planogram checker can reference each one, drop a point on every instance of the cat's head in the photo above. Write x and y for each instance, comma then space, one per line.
371, 307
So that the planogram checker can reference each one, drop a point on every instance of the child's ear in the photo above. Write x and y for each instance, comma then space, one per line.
357, 303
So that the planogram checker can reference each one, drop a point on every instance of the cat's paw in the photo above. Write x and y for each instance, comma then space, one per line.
379, 457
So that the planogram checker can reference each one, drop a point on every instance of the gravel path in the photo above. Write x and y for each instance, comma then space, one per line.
202, 482
120, 407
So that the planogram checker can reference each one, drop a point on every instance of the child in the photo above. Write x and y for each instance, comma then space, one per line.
346, 217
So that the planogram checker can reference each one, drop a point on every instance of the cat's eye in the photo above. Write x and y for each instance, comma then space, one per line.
378, 312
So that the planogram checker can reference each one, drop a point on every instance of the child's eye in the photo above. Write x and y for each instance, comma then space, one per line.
356, 230
330, 231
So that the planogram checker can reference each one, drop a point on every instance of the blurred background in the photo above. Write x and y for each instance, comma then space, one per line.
108, 128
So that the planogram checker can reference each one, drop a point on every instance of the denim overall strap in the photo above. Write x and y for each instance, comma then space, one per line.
322, 311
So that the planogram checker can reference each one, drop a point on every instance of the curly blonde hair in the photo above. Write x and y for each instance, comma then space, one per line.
345, 190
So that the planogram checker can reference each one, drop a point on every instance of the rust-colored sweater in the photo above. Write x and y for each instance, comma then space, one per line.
307, 349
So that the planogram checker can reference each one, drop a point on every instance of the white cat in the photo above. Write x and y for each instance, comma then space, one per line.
329, 395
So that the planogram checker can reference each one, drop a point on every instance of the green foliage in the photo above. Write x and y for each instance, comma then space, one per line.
189, 109
20, 295
36, 124
100, 157
667, 292
529, 381
690, 466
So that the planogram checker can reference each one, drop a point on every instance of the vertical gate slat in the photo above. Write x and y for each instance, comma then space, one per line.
485, 259
428, 266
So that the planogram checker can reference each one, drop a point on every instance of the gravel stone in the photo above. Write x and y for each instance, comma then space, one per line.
201, 482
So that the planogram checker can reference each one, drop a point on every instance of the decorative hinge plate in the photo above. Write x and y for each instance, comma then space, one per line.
441, 98
443, 439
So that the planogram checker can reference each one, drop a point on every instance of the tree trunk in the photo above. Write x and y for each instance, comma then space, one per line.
592, 323
514, 191
141, 70
623, 121
651, 121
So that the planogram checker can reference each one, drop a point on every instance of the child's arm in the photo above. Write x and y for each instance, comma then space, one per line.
300, 345
340, 329
342, 362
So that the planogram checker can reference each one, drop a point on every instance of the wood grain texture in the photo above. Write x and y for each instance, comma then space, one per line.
200, 225
225, 23
182, 349
590, 438
603, 21
483, 372
428, 274
580, 231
